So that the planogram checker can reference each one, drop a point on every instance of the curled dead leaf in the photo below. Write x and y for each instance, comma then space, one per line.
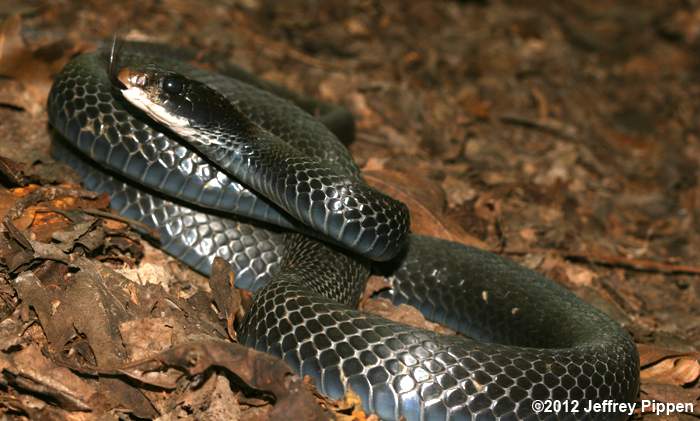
349, 408
678, 371
426, 202
403, 313
252, 368
666, 366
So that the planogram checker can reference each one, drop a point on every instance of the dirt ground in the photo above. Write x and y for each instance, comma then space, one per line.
562, 134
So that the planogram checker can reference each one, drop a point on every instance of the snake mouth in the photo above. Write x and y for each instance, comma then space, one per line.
142, 90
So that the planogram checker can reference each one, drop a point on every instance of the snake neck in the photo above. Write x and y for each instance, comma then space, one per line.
325, 270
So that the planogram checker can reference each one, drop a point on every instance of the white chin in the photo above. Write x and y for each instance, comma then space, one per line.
140, 100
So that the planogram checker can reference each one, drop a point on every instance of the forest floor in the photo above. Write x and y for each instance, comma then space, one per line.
564, 135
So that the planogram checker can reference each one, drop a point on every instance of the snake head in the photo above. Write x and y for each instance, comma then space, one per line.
174, 100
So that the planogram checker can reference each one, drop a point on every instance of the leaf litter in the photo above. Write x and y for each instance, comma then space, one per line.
562, 135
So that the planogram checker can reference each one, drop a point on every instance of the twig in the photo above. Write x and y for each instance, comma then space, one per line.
547, 125
152, 232
644, 265
46, 194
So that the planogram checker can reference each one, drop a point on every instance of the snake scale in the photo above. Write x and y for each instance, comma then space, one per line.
245, 173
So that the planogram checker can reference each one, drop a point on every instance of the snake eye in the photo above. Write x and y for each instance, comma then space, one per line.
172, 85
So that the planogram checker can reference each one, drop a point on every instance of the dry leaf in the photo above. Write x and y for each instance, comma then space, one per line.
666, 366
426, 202
579, 275
403, 313
29, 74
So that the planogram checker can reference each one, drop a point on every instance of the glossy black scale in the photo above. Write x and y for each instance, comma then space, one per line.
530, 338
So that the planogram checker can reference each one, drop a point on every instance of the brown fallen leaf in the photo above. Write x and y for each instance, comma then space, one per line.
227, 298
349, 408
255, 370
678, 371
426, 202
15, 174
670, 376
403, 313
30, 370
28, 70
71, 217
89, 340
666, 366
212, 401
147, 336
16, 61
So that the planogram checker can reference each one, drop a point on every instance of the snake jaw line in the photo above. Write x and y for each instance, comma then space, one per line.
136, 92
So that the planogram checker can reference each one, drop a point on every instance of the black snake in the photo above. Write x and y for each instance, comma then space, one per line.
243, 173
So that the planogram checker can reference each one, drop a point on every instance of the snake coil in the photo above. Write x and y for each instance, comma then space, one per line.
288, 184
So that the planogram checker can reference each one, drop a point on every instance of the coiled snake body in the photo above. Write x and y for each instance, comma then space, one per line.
269, 188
